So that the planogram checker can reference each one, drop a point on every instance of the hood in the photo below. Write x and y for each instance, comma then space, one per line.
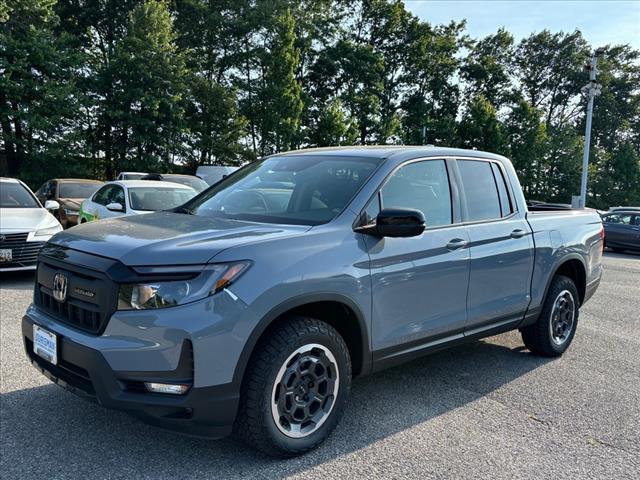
25, 219
71, 203
165, 238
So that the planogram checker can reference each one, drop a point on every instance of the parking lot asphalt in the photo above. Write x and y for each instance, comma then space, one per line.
488, 409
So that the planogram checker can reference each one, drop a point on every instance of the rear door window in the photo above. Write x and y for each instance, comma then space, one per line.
618, 219
480, 190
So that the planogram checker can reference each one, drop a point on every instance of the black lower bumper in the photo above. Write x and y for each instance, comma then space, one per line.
204, 412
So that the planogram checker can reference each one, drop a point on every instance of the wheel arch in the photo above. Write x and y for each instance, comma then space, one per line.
337, 310
574, 268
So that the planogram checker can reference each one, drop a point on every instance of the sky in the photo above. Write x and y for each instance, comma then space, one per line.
601, 22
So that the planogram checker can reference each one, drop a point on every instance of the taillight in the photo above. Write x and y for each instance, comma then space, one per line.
601, 238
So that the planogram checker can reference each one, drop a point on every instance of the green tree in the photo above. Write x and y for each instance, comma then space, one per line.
149, 90
550, 72
615, 177
98, 28
332, 127
281, 97
432, 95
480, 128
487, 67
528, 142
38, 95
210, 38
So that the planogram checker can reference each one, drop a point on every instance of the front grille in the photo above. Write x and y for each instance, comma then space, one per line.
24, 253
91, 295
83, 317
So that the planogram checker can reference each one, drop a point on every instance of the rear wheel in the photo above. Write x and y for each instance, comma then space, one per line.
556, 326
295, 389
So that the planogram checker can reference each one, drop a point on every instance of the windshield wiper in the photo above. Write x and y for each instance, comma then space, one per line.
184, 210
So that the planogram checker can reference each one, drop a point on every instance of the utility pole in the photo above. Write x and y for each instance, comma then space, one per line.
591, 89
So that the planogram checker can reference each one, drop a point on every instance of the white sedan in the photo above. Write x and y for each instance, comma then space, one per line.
25, 225
129, 197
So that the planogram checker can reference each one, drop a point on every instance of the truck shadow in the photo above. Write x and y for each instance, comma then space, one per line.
17, 280
47, 431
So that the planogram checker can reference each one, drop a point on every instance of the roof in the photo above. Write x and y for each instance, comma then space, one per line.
179, 175
9, 180
150, 184
77, 180
388, 151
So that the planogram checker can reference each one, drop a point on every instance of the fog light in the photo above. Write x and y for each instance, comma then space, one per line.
171, 388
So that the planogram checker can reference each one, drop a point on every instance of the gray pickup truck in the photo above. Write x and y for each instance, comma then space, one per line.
250, 308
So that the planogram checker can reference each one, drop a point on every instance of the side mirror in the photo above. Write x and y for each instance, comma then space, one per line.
51, 205
115, 207
396, 222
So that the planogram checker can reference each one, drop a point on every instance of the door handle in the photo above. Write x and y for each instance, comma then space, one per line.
518, 233
456, 243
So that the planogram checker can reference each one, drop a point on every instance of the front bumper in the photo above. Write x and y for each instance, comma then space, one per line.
71, 219
17, 269
207, 411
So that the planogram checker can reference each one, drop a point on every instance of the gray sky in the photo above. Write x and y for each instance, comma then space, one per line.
601, 21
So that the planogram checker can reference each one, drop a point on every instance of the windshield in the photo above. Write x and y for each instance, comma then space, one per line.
158, 198
77, 190
132, 176
194, 182
303, 190
14, 195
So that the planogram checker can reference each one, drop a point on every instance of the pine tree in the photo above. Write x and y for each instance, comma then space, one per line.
281, 97
149, 77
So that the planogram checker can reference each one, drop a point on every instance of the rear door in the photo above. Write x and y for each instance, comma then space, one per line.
501, 247
419, 284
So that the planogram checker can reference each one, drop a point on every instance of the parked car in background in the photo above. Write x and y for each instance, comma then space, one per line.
69, 193
622, 229
128, 197
625, 209
251, 307
25, 225
214, 173
189, 180
131, 175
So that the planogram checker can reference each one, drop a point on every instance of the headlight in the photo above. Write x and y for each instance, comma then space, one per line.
141, 296
47, 232
69, 211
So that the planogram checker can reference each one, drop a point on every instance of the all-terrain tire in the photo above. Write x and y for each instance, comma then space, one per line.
255, 423
539, 337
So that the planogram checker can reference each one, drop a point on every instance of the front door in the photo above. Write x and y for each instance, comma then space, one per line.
419, 284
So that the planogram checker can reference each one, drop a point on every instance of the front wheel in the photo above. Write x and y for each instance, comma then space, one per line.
296, 387
556, 326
